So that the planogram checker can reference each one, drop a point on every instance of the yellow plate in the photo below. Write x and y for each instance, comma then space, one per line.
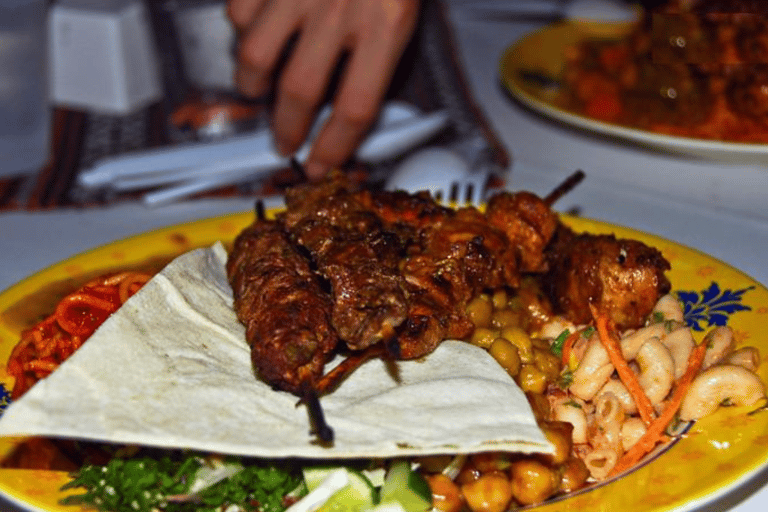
717, 454
541, 53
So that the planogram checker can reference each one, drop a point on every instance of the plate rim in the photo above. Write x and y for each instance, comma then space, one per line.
677, 144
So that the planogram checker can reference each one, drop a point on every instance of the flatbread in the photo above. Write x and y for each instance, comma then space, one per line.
172, 369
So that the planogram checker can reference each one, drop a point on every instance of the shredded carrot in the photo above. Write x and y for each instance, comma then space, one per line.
627, 376
655, 432
568, 344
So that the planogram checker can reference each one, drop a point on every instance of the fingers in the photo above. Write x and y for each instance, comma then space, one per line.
262, 43
361, 91
373, 32
306, 77
244, 12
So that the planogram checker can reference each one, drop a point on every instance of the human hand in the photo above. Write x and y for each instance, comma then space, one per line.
374, 35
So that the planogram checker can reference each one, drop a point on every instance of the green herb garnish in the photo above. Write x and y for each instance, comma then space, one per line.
557, 346
185, 484
565, 380
573, 403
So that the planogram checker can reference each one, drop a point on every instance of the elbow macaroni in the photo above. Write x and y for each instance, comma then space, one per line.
658, 353
584, 408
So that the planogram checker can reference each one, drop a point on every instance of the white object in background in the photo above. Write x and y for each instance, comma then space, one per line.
197, 167
25, 114
617, 11
206, 40
150, 162
611, 11
393, 136
403, 119
433, 169
103, 55
213, 175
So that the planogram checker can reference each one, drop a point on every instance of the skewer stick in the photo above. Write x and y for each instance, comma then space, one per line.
299, 169
333, 378
565, 187
316, 416
260, 210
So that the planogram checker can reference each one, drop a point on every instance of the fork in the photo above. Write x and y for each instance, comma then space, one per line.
458, 174
472, 188
468, 191
444, 174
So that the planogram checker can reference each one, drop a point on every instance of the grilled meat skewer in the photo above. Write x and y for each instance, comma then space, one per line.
286, 313
452, 261
454, 255
389, 274
350, 248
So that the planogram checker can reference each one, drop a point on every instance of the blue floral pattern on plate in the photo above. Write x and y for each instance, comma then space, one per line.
5, 398
711, 307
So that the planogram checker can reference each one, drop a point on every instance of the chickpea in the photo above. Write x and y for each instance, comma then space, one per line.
533, 481
548, 363
540, 343
506, 354
503, 318
469, 473
559, 433
483, 337
574, 475
500, 299
434, 463
492, 492
540, 406
480, 311
519, 338
531, 379
446, 495
487, 462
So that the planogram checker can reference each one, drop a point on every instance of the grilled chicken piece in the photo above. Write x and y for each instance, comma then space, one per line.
623, 278
528, 222
286, 313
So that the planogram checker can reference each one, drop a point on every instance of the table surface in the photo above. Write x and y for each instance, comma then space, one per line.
717, 208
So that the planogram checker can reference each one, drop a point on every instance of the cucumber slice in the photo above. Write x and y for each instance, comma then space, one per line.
387, 507
356, 496
406, 487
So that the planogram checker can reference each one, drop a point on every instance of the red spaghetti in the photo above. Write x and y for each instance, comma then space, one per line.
44, 346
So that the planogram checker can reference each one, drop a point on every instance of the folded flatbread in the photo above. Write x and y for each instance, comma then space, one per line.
172, 369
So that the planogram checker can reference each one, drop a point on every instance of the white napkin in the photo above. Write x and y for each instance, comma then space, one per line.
172, 368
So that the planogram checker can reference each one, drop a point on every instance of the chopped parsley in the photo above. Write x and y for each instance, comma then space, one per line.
573, 403
565, 380
557, 345
183, 484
